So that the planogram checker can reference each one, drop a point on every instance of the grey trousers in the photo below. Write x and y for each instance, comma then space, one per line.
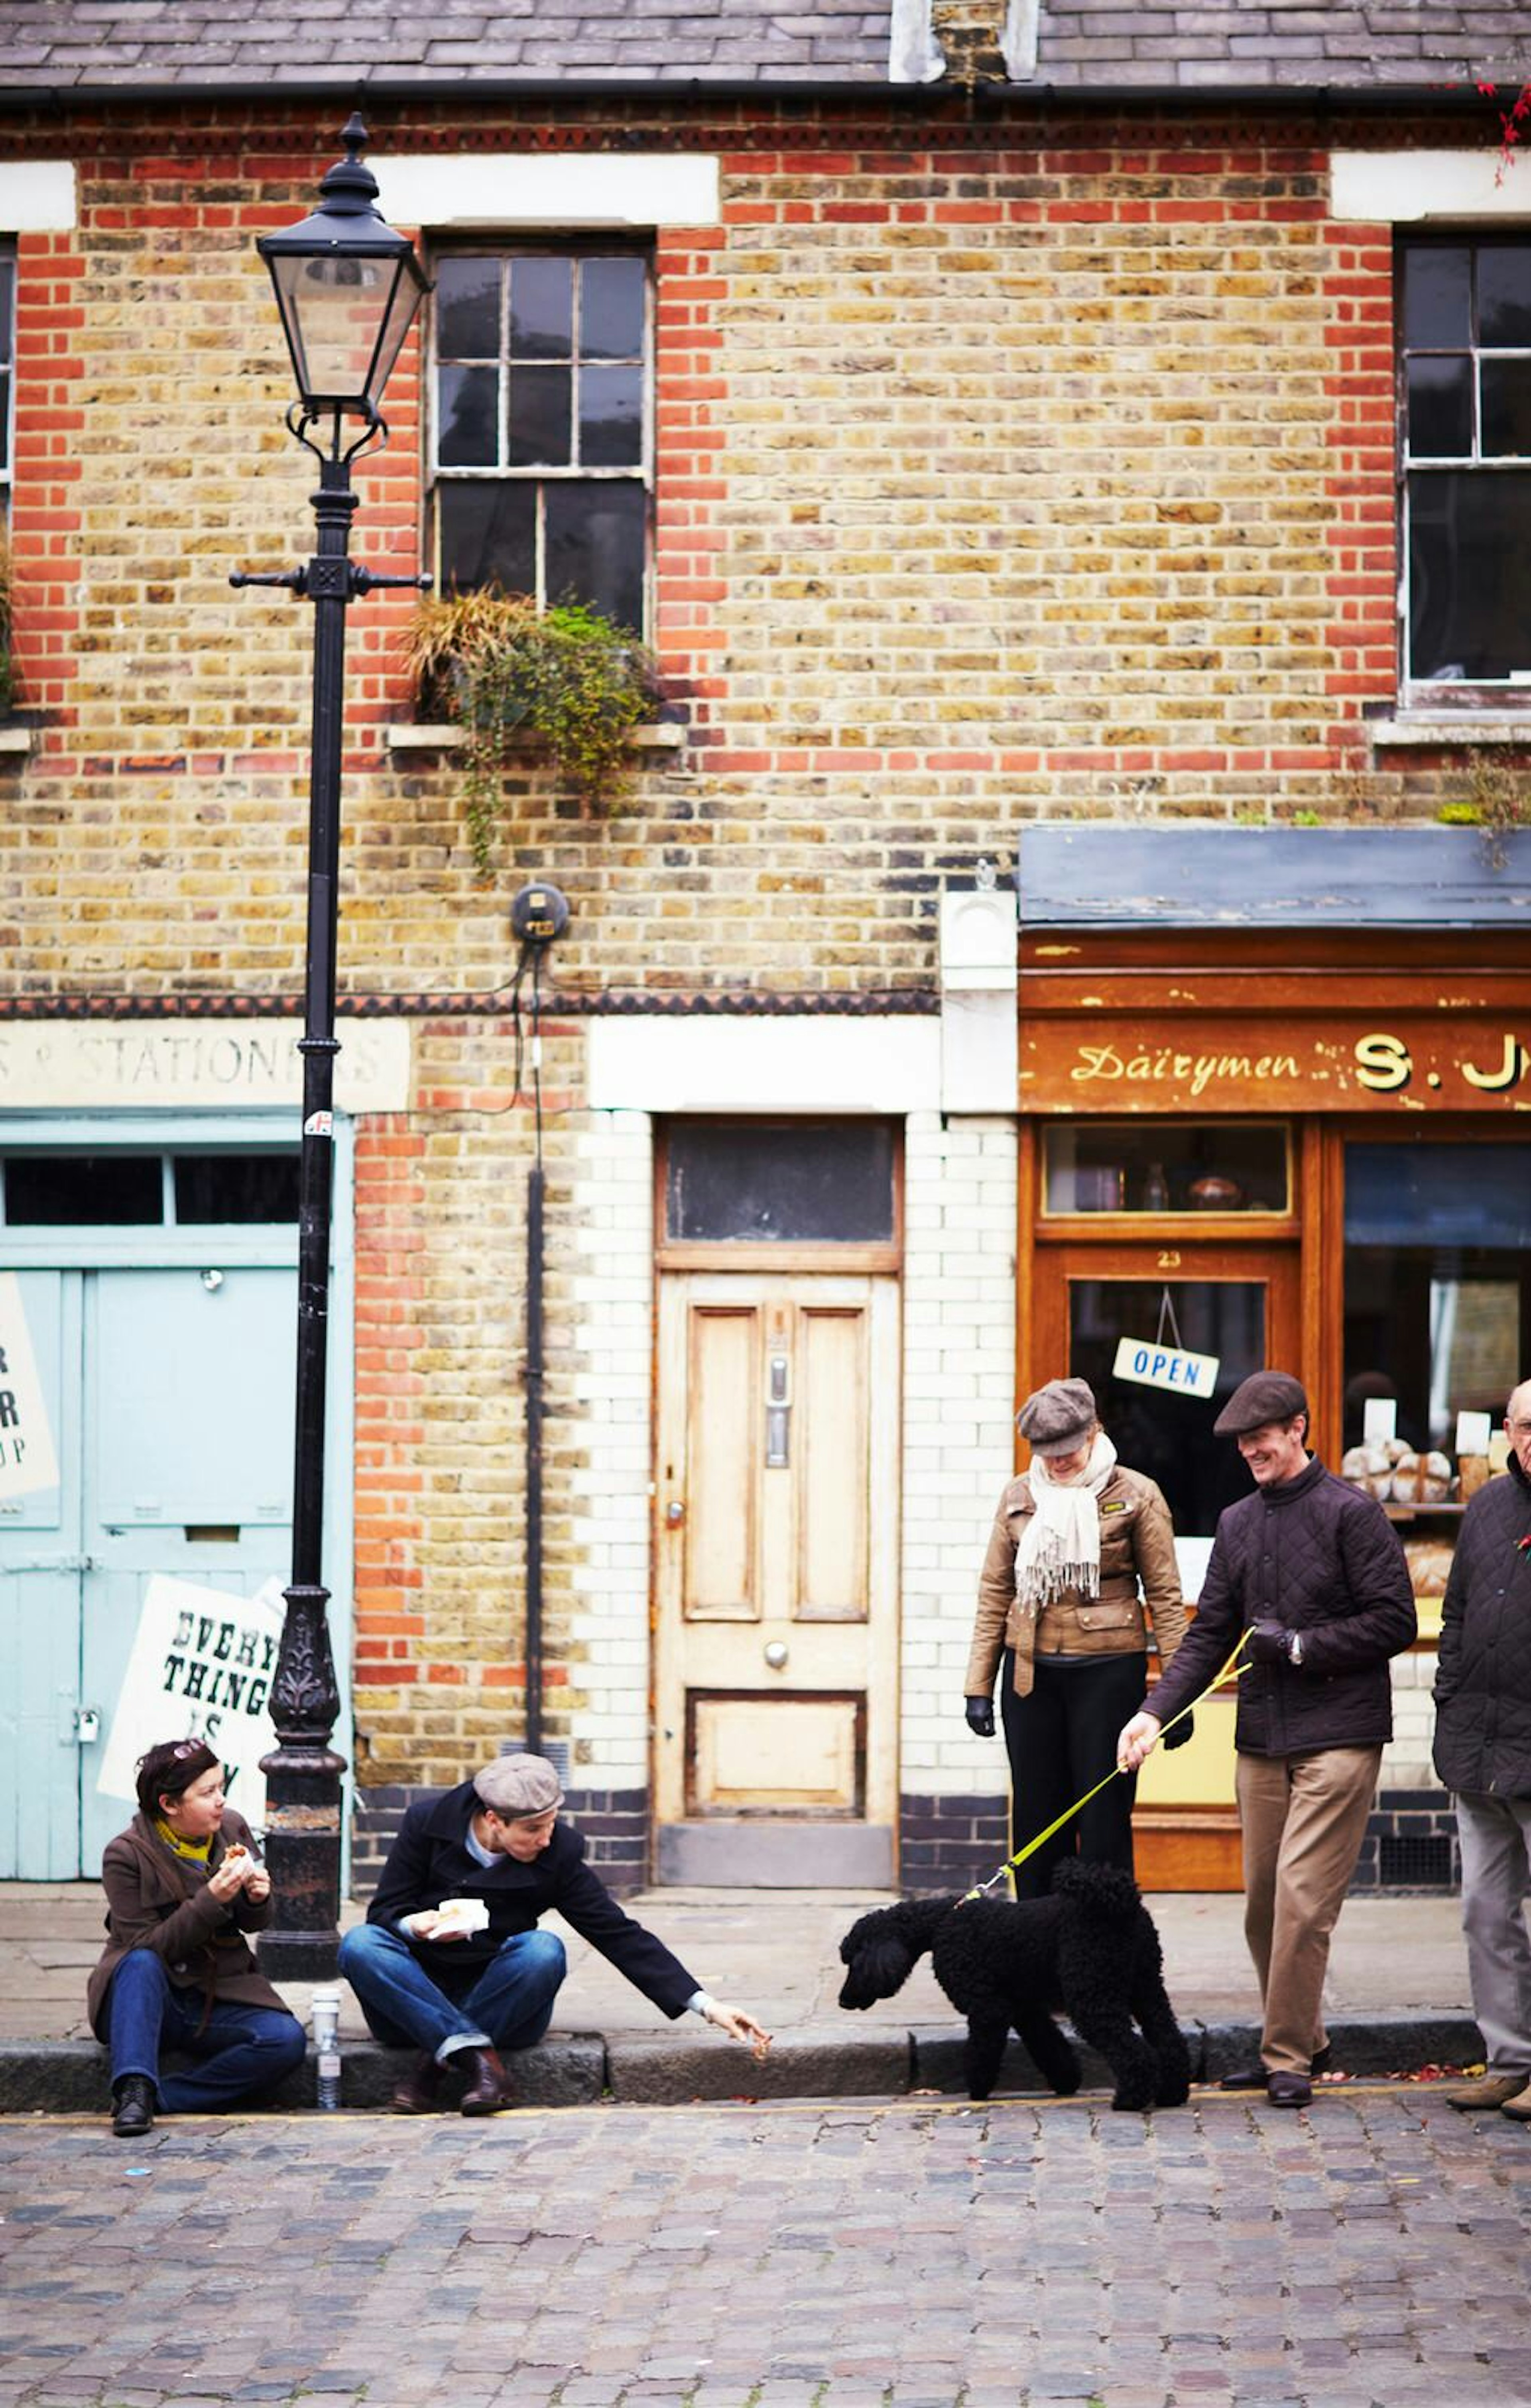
1495, 1837
1303, 1818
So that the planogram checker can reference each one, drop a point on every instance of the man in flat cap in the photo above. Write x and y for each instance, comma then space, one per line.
464, 1985
1312, 1571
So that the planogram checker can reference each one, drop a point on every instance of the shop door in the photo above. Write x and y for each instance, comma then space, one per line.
1237, 1305
170, 1399
776, 1579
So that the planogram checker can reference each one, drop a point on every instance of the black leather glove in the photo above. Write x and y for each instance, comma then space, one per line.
1182, 1731
980, 1716
1270, 1642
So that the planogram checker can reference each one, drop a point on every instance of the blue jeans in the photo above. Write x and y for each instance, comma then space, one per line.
242, 2049
507, 2003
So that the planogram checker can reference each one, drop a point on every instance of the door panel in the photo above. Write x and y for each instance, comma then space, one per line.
40, 1573
188, 1472
776, 1549
1240, 1305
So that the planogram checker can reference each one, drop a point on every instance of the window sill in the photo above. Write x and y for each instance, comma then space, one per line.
654, 736
1436, 729
17, 741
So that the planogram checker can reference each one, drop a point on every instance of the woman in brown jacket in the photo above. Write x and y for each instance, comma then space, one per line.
1080, 1563
183, 1886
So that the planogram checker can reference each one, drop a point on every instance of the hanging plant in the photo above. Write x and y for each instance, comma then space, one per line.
510, 674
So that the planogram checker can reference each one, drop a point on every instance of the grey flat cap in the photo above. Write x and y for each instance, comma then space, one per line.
1054, 1419
517, 1788
1263, 1397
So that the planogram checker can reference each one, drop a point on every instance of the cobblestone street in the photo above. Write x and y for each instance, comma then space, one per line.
859, 2254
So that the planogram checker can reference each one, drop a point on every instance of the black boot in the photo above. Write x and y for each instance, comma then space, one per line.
133, 2107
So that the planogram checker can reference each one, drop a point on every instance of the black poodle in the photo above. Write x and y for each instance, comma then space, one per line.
1090, 1950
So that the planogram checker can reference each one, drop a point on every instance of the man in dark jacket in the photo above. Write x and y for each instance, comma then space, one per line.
450, 1959
1311, 1571
1484, 1752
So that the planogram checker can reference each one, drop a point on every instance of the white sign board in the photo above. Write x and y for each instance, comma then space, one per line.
1380, 1420
1472, 1433
200, 1668
27, 1460
1144, 1361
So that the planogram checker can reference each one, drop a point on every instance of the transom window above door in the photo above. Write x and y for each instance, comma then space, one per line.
815, 1192
541, 452
1465, 321
121, 1189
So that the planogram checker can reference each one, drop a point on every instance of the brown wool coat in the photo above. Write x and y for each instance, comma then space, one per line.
155, 1900
1140, 1584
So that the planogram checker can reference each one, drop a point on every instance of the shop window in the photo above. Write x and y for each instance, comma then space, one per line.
1187, 1167
7, 358
541, 453
785, 1183
118, 1189
1437, 1284
1465, 383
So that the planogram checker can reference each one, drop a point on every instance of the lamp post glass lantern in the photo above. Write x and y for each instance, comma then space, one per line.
347, 288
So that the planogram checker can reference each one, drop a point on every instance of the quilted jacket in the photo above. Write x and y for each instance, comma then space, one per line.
1322, 1558
1483, 1681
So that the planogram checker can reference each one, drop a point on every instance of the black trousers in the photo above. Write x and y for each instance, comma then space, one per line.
1061, 1741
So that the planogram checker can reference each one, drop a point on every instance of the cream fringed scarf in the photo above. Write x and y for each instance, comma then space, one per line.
1061, 1545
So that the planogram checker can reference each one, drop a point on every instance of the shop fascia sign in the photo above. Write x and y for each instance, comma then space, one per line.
1111, 1064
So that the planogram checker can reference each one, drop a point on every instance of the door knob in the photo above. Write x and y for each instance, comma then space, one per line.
775, 1655
675, 1514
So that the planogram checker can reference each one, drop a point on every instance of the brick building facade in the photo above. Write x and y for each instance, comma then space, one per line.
1022, 452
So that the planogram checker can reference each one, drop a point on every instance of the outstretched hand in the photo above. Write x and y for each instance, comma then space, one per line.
739, 2026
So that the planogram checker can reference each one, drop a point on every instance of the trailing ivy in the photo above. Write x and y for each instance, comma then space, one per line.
512, 675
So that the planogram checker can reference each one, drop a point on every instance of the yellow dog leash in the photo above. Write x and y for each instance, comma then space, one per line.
1069, 1811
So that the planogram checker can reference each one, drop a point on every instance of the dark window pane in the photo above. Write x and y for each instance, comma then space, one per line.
1164, 1167
236, 1187
488, 536
4, 418
541, 414
611, 308
49, 1190
610, 417
780, 1181
467, 410
1440, 409
1507, 407
1504, 297
595, 548
1469, 574
1171, 1437
542, 308
7, 298
468, 309
1438, 295
1437, 1284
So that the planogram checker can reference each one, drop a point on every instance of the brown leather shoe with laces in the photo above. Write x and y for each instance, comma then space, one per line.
488, 2084
417, 2094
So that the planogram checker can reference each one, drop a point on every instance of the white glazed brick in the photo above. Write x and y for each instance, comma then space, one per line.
612, 1299
959, 1284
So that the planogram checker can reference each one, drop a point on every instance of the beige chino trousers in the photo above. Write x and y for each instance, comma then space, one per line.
1302, 1819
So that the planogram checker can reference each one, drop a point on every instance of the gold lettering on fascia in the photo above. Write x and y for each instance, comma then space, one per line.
1385, 1064
1195, 1073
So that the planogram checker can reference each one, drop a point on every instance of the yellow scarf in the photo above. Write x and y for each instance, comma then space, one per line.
190, 1852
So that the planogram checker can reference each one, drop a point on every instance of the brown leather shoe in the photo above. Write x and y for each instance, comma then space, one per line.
417, 2094
488, 2084
1290, 2090
1489, 2090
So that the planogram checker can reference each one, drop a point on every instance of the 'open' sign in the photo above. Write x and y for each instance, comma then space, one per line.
1153, 1365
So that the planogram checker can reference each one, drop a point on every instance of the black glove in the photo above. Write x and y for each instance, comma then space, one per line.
1182, 1732
1269, 1642
980, 1716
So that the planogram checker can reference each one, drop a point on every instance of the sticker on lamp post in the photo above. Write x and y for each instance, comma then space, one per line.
27, 1459
1151, 1364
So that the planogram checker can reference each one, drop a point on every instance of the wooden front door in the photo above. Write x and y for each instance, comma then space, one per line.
1238, 1304
777, 1550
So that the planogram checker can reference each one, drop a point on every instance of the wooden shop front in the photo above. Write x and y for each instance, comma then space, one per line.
1302, 1144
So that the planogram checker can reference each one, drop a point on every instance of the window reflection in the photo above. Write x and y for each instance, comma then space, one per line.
1437, 1284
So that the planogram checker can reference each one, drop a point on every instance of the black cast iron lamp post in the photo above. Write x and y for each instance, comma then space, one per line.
347, 288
